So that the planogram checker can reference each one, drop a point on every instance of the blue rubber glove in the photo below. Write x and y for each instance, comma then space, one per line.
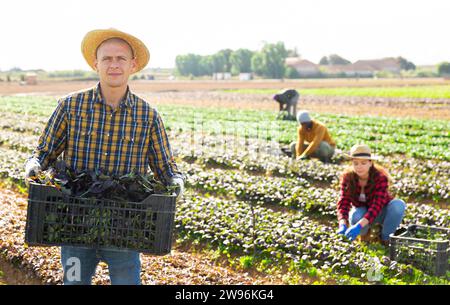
342, 229
353, 232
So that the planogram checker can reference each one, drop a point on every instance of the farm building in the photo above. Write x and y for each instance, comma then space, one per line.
245, 76
385, 64
349, 70
304, 67
31, 78
364, 68
221, 76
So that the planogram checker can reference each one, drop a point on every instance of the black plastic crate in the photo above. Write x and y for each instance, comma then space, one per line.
55, 219
417, 245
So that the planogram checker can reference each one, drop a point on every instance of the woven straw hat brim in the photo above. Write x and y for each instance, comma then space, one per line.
94, 38
375, 158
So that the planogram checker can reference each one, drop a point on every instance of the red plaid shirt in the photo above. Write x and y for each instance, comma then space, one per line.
375, 201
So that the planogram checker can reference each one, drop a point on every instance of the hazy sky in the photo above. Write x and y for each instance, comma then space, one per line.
47, 33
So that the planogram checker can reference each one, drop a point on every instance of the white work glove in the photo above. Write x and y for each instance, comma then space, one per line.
32, 168
178, 182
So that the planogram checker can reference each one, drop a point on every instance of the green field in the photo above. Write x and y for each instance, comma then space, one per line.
433, 92
420, 138
268, 212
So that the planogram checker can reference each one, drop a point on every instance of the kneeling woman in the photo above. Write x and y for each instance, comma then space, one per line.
365, 199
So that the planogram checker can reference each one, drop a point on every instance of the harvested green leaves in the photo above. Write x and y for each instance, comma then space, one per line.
132, 187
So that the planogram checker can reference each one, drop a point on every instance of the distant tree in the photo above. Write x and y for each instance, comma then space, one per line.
68, 74
258, 63
241, 61
188, 64
270, 61
324, 61
226, 53
181, 64
405, 64
444, 69
293, 53
335, 59
206, 65
291, 73
219, 62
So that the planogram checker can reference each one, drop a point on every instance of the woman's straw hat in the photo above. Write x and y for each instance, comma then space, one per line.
94, 39
361, 151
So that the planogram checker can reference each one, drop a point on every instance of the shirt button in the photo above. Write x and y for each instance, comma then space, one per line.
106, 154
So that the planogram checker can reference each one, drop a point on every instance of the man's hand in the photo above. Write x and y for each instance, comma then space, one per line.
300, 158
32, 168
179, 183
353, 231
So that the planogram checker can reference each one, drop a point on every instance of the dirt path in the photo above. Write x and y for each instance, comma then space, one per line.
64, 87
36, 265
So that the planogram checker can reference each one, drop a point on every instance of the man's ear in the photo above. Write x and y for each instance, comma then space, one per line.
133, 65
96, 65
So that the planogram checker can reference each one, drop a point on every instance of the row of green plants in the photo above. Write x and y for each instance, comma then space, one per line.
420, 92
311, 257
280, 238
387, 136
289, 191
419, 138
413, 178
295, 193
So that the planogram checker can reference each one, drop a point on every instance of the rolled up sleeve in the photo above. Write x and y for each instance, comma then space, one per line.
53, 139
161, 158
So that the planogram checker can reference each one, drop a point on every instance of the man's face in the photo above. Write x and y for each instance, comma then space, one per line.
306, 125
114, 63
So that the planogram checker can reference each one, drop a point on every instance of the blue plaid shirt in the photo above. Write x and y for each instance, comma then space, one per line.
93, 136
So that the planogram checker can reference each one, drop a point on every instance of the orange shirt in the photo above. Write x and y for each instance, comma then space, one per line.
317, 134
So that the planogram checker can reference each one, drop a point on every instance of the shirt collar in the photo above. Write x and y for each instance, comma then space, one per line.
127, 101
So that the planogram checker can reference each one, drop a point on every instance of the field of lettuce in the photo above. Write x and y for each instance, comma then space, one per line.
251, 204
424, 92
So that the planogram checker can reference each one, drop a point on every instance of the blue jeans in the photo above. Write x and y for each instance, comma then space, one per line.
390, 216
79, 264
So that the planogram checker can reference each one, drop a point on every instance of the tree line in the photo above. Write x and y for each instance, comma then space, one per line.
269, 62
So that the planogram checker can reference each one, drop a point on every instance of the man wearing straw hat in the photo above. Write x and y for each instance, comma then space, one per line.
107, 127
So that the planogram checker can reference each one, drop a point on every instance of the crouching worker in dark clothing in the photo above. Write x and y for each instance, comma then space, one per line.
288, 100
365, 199
319, 142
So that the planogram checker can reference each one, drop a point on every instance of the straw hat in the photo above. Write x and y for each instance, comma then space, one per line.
94, 39
361, 151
